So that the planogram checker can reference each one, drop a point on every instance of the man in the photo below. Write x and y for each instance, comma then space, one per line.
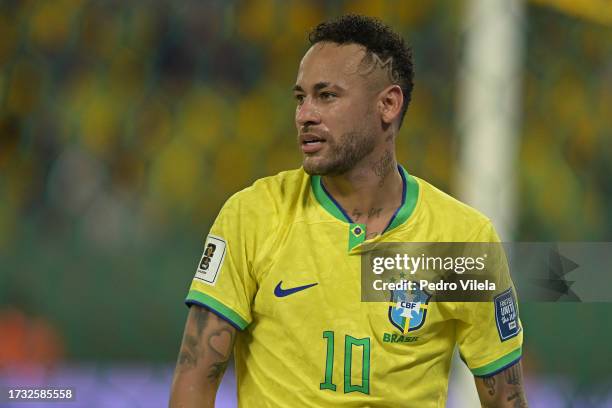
279, 280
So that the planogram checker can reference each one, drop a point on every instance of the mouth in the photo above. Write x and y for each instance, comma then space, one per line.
311, 139
311, 143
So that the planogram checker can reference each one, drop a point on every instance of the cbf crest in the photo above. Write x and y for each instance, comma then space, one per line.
408, 309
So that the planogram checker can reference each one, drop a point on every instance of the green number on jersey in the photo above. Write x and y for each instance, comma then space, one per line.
349, 342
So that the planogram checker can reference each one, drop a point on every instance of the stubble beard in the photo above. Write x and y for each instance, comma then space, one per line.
343, 155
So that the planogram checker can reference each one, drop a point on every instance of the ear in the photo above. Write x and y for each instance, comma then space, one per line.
390, 103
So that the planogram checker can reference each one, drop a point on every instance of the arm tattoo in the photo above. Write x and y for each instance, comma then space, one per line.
490, 383
191, 348
188, 357
519, 400
220, 342
513, 376
216, 340
503, 389
217, 370
202, 320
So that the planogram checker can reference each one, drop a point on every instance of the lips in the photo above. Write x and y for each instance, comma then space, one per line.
311, 143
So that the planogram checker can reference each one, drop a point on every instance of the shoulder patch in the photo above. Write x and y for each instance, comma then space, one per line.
506, 315
212, 260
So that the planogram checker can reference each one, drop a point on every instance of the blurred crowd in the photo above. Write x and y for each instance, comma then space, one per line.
565, 165
123, 118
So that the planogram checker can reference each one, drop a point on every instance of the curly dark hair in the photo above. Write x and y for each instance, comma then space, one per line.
378, 39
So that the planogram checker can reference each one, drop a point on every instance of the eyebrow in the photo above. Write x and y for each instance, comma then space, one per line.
317, 87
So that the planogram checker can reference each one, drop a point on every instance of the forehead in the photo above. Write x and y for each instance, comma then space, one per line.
330, 62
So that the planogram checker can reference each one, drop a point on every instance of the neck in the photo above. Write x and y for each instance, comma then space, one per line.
372, 189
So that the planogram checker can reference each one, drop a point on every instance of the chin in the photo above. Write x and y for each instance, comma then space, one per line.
314, 169
323, 169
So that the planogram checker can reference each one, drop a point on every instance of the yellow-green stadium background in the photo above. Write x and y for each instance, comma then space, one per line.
124, 126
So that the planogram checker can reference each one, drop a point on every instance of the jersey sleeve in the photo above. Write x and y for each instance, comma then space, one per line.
224, 282
490, 334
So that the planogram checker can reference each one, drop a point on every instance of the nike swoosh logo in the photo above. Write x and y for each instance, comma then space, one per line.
280, 292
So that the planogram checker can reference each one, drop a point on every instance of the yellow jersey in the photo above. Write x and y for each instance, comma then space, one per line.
282, 264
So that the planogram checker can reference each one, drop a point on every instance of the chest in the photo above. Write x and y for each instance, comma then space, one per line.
312, 283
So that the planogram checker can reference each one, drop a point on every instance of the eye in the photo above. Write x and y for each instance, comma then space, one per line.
327, 95
299, 98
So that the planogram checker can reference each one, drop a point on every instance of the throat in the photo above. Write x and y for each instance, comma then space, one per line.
373, 205
378, 222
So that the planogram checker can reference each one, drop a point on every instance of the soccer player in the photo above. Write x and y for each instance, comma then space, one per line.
279, 280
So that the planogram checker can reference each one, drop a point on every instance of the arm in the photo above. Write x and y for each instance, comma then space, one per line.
205, 351
504, 389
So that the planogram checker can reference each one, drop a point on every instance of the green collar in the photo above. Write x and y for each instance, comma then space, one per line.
410, 194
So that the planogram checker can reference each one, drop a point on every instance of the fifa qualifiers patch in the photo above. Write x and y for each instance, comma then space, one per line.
212, 259
506, 315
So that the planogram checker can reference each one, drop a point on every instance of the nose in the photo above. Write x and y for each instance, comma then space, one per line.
307, 114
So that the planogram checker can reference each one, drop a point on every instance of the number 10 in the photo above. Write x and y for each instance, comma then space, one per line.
349, 342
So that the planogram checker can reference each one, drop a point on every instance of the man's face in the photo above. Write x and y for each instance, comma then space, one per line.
335, 114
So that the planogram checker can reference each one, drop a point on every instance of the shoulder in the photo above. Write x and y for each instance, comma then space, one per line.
257, 215
270, 194
450, 213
